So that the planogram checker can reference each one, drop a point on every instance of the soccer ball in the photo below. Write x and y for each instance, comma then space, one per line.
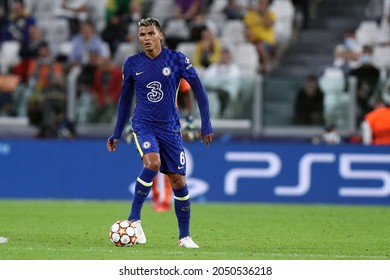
123, 233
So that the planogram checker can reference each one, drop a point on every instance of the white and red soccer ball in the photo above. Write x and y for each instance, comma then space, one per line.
123, 233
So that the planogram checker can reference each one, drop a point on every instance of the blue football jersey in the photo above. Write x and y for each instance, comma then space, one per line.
155, 83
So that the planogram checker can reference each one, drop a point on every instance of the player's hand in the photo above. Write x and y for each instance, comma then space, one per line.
129, 133
188, 132
206, 139
111, 144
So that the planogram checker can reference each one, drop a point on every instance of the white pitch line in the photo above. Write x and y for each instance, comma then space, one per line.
3, 239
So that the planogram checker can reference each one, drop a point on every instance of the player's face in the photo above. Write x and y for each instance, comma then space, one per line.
150, 38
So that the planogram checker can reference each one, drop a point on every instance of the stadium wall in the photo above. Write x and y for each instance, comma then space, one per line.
235, 172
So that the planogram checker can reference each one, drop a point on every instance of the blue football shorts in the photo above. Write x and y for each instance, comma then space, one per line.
167, 143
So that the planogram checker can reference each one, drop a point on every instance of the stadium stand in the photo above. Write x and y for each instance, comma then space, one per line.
303, 51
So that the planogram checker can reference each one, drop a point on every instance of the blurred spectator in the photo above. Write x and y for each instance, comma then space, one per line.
29, 51
2, 23
187, 9
367, 75
374, 10
376, 124
329, 136
303, 6
106, 90
114, 33
198, 24
48, 100
347, 54
233, 10
259, 23
127, 10
8, 86
223, 79
17, 24
309, 107
85, 42
207, 49
85, 83
74, 11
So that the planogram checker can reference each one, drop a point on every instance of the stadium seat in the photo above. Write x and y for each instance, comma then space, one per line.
65, 48
217, 6
383, 32
9, 55
97, 13
106, 50
186, 48
367, 32
41, 7
177, 28
332, 82
285, 12
55, 30
233, 31
246, 57
163, 10
123, 51
381, 56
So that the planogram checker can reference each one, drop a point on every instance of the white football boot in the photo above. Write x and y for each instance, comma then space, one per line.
187, 242
141, 239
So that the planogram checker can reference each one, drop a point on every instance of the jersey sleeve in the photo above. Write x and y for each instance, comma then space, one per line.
189, 73
125, 100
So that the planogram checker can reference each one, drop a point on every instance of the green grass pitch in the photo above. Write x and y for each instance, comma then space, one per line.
78, 230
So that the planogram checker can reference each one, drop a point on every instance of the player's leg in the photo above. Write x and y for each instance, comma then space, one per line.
148, 148
144, 182
173, 163
182, 209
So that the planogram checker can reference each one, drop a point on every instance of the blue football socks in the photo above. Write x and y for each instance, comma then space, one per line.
183, 211
142, 190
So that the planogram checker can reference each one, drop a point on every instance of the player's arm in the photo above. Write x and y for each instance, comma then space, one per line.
124, 108
206, 132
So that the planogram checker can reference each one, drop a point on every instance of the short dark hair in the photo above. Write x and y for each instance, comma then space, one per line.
150, 21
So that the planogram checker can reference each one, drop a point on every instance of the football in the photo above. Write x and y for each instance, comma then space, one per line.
123, 233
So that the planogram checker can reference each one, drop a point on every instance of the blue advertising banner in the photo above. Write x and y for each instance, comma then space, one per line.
234, 172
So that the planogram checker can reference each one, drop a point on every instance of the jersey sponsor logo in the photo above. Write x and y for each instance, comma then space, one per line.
166, 71
188, 61
146, 145
155, 94
138, 73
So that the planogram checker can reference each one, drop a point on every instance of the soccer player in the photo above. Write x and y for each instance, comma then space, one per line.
153, 76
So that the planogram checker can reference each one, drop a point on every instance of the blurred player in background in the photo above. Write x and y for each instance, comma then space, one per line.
154, 75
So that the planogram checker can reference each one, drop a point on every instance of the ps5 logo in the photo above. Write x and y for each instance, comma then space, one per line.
348, 169
5, 149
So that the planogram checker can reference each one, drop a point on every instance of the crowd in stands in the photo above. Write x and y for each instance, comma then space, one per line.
59, 50
66, 56
365, 55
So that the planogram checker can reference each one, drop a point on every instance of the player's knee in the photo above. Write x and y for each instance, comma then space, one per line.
153, 165
177, 181
152, 161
